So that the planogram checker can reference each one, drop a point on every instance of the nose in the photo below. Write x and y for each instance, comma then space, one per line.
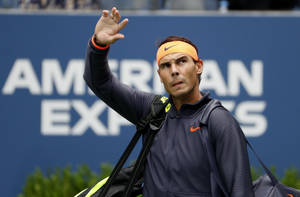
174, 70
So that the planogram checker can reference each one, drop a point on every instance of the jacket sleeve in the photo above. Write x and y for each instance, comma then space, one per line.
128, 102
231, 153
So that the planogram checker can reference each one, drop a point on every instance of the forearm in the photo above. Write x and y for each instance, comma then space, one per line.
96, 71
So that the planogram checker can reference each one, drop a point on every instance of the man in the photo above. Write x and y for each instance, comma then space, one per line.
176, 165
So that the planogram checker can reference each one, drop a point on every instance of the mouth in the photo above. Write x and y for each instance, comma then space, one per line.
177, 83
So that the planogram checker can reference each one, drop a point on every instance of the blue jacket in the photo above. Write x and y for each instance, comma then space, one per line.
176, 165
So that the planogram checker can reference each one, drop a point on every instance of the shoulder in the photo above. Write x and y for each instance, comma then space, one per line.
221, 117
222, 124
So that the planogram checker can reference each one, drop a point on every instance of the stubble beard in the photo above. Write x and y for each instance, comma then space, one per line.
185, 94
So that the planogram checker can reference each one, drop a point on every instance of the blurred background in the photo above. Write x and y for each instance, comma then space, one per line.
57, 138
151, 4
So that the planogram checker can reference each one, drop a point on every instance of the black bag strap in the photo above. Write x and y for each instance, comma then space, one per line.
139, 164
155, 123
210, 106
154, 120
274, 180
120, 164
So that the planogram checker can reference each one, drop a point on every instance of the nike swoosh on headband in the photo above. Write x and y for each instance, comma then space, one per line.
167, 48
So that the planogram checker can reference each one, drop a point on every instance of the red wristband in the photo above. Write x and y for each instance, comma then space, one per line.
97, 46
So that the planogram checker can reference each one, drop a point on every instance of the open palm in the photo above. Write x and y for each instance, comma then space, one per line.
108, 27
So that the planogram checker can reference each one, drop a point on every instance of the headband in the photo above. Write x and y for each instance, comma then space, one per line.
175, 47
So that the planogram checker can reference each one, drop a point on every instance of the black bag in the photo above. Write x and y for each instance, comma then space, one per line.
265, 186
268, 185
127, 182
117, 188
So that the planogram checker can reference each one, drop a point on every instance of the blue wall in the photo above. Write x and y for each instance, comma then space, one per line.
265, 48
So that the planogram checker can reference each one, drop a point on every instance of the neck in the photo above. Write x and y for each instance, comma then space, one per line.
191, 98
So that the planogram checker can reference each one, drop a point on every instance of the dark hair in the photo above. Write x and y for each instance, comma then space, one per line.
177, 38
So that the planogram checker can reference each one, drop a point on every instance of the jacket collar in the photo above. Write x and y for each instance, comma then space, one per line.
188, 110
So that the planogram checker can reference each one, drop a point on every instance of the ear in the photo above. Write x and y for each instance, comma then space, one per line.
158, 71
199, 66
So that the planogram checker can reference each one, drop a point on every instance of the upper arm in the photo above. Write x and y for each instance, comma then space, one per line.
128, 102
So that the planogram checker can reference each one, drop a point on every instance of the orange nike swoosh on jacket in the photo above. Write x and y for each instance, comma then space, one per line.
192, 129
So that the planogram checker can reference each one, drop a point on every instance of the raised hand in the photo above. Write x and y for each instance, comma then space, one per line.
108, 27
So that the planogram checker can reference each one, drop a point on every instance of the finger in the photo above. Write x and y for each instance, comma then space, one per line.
105, 13
117, 15
117, 37
123, 23
113, 11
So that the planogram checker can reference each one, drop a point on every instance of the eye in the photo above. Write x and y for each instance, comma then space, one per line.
164, 65
181, 61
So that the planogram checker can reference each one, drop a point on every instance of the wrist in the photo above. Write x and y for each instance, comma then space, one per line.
97, 44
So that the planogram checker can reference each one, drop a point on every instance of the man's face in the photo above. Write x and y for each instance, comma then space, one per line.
179, 74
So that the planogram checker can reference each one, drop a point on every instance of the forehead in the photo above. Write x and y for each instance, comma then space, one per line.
172, 56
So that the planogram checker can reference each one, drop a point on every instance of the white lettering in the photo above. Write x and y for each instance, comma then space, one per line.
229, 105
136, 73
22, 75
52, 75
55, 117
252, 82
89, 117
249, 114
115, 121
212, 78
